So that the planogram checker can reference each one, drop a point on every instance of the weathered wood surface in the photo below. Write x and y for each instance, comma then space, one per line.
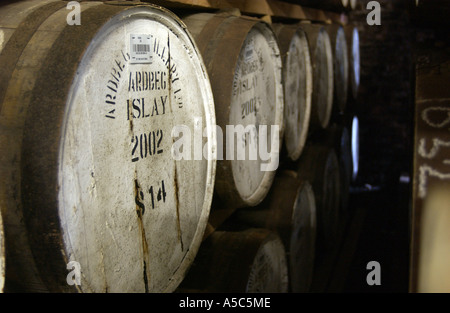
323, 75
431, 165
297, 83
250, 261
86, 140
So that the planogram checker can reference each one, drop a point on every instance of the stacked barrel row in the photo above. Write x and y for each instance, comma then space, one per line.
301, 202
102, 164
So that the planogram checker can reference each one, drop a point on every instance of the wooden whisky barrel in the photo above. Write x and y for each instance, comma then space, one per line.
355, 147
297, 84
353, 4
319, 165
338, 137
345, 164
323, 77
340, 66
88, 140
244, 66
433, 232
250, 261
290, 210
352, 38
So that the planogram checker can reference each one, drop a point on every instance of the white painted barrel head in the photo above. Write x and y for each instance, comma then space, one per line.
269, 271
355, 62
131, 214
256, 105
303, 239
297, 94
355, 147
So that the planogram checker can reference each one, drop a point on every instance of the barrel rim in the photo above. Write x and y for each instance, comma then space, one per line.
316, 33
2, 254
264, 185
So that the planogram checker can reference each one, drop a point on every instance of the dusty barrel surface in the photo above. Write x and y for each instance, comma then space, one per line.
323, 76
340, 66
319, 165
345, 164
297, 84
355, 146
332, 5
251, 261
353, 49
290, 210
244, 66
87, 120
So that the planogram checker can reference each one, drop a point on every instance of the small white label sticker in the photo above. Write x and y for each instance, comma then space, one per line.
140, 48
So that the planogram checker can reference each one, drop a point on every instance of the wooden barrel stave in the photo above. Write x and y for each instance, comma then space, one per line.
329, 5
